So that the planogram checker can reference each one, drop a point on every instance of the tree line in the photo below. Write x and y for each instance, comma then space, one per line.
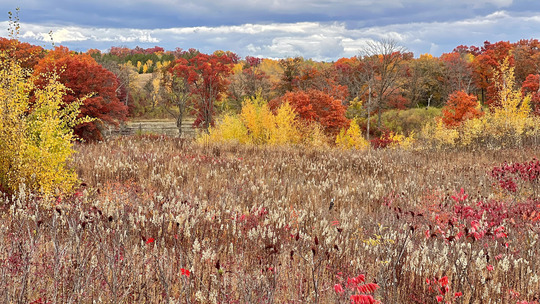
384, 77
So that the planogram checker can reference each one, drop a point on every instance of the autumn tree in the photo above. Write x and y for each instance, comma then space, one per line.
177, 88
526, 59
460, 107
382, 70
322, 77
27, 54
424, 81
84, 77
35, 131
349, 74
457, 74
273, 69
316, 106
289, 76
247, 80
486, 65
125, 73
531, 86
205, 76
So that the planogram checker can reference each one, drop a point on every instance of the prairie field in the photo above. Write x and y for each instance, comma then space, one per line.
163, 220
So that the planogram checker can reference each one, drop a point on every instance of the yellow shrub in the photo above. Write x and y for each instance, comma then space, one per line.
35, 138
437, 135
507, 124
402, 141
286, 128
229, 129
314, 135
258, 119
473, 131
257, 125
352, 138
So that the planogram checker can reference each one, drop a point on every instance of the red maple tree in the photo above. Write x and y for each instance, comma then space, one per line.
318, 106
206, 76
485, 66
531, 85
26, 53
460, 107
83, 76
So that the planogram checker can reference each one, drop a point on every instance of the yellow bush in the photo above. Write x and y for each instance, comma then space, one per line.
258, 119
437, 135
229, 129
285, 130
401, 141
314, 135
352, 138
257, 125
507, 124
35, 136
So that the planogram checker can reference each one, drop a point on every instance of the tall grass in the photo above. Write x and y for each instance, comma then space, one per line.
159, 220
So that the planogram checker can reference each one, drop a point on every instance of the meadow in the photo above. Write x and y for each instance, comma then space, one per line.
164, 220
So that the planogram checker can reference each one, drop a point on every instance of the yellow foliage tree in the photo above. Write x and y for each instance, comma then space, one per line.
439, 136
511, 118
352, 138
35, 135
150, 63
506, 124
257, 125
285, 129
258, 119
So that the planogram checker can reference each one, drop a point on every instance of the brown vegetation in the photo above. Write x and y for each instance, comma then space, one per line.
159, 220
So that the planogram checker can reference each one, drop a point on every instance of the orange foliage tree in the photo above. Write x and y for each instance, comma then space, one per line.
531, 85
350, 74
27, 54
527, 58
248, 80
487, 64
460, 107
206, 76
458, 71
83, 77
316, 106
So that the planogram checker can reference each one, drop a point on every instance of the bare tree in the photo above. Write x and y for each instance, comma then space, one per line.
381, 69
176, 93
125, 73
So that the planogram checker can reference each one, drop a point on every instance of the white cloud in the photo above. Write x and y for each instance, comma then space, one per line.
68, 34
316, 40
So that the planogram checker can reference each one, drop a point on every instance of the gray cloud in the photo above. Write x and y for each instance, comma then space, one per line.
189, 13
419, 25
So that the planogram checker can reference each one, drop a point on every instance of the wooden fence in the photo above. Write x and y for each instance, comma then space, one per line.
162, 127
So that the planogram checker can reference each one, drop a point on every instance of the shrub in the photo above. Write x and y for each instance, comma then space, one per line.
257, 125
352, 138
508, 123
407, 121
35, 132
460, 107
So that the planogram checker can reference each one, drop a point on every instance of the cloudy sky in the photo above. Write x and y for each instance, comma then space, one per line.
318, 29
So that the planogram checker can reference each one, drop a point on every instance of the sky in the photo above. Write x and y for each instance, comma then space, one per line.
322, 30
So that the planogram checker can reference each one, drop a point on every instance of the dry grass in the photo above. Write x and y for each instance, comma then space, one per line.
254, 225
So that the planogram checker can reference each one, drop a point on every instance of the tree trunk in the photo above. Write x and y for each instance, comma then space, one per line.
379, 113
179, 119
368, 112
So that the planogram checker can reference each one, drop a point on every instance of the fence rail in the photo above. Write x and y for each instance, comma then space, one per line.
164, 127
